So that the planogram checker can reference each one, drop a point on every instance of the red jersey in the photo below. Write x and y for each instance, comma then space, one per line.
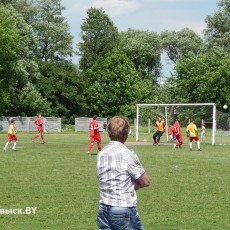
93, 127
176, 131
94, 132
38, 121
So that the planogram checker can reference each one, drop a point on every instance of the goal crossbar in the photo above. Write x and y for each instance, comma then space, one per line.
188, 104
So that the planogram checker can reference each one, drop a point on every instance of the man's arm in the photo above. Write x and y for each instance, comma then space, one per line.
142, 181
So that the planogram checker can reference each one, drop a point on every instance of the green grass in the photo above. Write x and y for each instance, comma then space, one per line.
60, 180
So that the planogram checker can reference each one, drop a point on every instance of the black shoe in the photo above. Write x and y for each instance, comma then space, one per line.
190, 149
198, 149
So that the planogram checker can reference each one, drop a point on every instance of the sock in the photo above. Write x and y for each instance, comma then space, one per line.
190, 145
15, 143
198, 144
99, 147
43, 140
6, 144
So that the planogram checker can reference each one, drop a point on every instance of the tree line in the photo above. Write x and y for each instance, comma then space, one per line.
116, 70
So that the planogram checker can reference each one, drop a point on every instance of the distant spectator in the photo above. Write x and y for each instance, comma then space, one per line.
105, 127
203, 131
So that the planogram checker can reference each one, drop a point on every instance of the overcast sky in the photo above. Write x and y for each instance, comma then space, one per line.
148, 15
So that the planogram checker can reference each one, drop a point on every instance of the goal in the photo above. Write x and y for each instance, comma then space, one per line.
147, 114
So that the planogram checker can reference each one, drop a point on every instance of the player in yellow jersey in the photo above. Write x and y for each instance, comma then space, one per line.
192, 133
160, 126
11, 136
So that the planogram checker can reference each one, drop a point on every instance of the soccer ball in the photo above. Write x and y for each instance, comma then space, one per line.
225, 107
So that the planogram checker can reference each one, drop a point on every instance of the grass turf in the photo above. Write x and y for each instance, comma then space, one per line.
189, 190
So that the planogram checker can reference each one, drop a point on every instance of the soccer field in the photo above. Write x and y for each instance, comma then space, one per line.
189, 190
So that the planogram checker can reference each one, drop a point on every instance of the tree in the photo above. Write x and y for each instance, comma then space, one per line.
63, 86
203, 79
99, 37
144, 49
114, 86
22, 67
24, 7
9, 40
55, 40
181, 43
32, 102
218, 29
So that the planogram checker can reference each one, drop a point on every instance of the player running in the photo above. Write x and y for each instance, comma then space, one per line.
11, 136
39, 123
94, 134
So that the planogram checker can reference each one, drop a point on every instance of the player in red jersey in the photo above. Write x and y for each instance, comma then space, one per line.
177, 133
39, 123
94, 134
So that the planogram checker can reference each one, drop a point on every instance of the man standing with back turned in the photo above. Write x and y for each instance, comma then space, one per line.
192, 133
119, 174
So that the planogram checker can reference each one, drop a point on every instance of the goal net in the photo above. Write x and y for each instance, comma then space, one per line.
147, 114
222, 134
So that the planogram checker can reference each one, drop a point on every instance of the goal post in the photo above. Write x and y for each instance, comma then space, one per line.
166, 113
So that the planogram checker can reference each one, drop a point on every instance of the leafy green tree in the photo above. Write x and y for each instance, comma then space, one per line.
32, 102
52, 30
9, 39
22, 66
218, 27
205, 78
181, 43
114, 86
144, 49
99, 37
63, 87
25, 7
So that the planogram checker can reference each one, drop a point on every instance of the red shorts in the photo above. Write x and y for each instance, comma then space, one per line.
194, 138
179, 138
95, 138
39, 129
11, 137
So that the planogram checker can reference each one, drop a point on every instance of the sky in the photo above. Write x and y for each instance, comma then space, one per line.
146, 15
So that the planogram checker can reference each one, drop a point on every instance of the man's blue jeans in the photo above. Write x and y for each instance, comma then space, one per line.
118, 218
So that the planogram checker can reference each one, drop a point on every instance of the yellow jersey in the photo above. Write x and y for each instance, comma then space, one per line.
192, 129
11, 129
